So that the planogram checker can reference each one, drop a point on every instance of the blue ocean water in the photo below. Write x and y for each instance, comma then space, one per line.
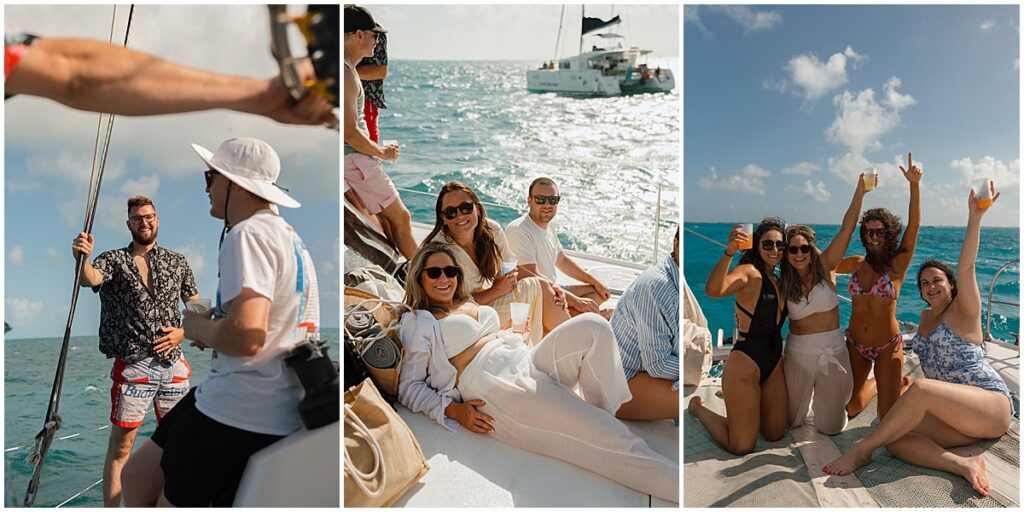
475, 122
76, 463
998, 246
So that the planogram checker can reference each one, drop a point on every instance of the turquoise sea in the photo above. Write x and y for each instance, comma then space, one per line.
998, 246
76, 463
475, 122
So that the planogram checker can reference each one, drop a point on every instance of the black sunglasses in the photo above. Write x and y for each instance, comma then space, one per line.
768, 244
793, 249
553, 200
453, 211
435, 272
209, 175
876, 232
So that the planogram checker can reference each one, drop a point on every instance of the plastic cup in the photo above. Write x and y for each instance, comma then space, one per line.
984, 192
519, 312
389, 142
749, 244
508, 265
870, 178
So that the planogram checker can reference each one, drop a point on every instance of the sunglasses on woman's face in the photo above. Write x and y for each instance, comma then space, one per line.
793, 249
453, 211
435, 272
553, 200
769, 245
876, 232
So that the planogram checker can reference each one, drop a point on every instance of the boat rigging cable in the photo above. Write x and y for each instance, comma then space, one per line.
52, 422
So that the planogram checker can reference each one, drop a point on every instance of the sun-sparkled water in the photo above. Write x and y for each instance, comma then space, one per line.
475, 122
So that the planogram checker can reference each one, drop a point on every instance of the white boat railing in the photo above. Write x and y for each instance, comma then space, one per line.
987, 335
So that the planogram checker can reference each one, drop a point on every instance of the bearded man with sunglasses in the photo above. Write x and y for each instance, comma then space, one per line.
140, 328
367, 186
534, 240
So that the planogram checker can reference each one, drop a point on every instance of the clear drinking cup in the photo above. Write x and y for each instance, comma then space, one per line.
870, 178
984, 192
508, 265
749, 244
199, 306
519, 312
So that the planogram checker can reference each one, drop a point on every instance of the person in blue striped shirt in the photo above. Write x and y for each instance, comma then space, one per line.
646, 326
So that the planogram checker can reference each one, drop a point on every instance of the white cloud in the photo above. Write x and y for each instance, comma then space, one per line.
21, 311
750, 19
802, 168
1006, 176
144, 185
749, 181
52, 253
893, 98
16, 256
818, 78
773, 84
861, 121
1016, 64
691, 14
816, 191
987, 25
193, 252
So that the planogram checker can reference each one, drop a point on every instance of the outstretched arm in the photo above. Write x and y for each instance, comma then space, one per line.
833, 254
101, 77
721, 282
909, 242
968, 298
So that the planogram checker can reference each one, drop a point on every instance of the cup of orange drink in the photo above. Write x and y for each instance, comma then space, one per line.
984, 192
749, 230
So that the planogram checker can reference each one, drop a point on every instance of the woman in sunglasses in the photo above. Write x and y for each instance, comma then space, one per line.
816, 362
873, 336
753, 382
460, 366
480, 247
963, 399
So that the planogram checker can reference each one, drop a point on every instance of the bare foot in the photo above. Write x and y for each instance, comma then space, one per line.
847, 463
975, 474
695, 403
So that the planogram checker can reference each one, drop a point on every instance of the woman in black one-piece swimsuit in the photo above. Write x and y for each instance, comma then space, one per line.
753, 383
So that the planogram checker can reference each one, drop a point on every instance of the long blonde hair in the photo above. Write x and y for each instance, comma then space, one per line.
789, 282
415, 295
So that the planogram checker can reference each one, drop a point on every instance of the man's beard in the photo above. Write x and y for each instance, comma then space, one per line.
141, 240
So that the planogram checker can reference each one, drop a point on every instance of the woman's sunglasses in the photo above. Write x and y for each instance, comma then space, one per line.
768, 245
435, 272
793, 249
453, 211
875, 233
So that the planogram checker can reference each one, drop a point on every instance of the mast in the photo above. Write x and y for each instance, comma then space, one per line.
583, 15
558, 39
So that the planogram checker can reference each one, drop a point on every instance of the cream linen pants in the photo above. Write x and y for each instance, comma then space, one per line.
819, 365
529, 392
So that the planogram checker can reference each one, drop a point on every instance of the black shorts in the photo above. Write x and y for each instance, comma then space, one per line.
203, 460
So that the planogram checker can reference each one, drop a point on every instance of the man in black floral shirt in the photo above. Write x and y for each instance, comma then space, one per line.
372, 72
140, 327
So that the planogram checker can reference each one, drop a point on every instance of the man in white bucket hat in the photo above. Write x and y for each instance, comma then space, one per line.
266, 300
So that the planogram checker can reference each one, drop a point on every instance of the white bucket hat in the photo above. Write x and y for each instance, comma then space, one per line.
251, 164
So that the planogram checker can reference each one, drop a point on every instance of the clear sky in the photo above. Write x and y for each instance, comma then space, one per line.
48, 151
516, 32
784, 105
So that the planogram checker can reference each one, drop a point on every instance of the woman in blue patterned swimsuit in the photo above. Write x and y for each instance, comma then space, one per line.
963, 399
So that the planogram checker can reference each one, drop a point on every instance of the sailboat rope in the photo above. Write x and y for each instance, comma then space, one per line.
52, 422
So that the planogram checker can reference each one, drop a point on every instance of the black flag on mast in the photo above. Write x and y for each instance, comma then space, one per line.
592, 24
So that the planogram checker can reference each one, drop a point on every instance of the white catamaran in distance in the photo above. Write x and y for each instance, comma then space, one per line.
600, 71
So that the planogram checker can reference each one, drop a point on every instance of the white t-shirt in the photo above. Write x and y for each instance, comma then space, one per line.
470, 272
533, 245
259, 393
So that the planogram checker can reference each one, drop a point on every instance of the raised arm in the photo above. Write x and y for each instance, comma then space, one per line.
721, 282
968, 298
833, 254
909, 242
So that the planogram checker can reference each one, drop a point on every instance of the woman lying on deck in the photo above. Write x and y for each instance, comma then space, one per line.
753, 382
963, 399
461, 366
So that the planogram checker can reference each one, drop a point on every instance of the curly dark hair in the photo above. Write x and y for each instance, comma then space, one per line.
950, 276
893, 229
752, 255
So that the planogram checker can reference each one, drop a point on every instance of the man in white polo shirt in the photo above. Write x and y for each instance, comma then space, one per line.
534, 240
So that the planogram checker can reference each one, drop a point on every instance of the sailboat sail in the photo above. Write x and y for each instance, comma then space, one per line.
592, 24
